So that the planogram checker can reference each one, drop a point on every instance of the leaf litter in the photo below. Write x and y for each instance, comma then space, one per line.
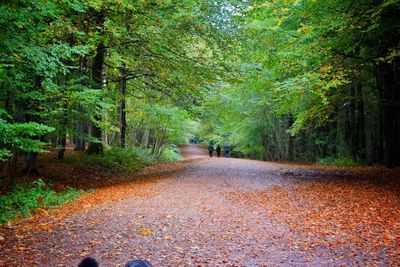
220, 212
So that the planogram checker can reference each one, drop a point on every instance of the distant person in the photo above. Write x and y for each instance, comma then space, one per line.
218, 149
210, 149
226, 149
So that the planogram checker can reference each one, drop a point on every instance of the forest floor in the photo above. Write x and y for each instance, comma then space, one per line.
220, 212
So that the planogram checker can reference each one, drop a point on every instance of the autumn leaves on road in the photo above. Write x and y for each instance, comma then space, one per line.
221, 212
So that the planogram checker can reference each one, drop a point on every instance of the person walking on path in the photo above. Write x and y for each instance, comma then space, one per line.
210, 149
218, 151
226, 149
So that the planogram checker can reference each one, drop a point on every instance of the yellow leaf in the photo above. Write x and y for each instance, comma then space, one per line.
42, 211
146, 231
44, 227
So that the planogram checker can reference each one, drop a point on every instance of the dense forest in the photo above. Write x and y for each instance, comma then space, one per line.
102, 100
317, 81
277, 80
102, 74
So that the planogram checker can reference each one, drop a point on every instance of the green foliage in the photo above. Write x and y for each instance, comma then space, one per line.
5, 154
23, 137
118, 161
26, 197
170, 153
47, 66
310, 71
268, 75
338, 161
164, 123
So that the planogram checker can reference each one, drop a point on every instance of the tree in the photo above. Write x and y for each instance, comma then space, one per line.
307, 68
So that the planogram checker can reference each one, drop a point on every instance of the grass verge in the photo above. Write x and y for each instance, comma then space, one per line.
27, 197
338, 161
119, 161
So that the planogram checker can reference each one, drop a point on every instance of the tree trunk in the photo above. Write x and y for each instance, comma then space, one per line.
145, 138
361, 152
81, 125
30, 163
123, 105
62, 143
97, 76
389, 84
353, 129
290, 153
8, 102
63, 134
160, 134
80, 143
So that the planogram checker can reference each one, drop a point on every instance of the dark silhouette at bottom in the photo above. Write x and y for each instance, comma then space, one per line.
90, 262
138, 263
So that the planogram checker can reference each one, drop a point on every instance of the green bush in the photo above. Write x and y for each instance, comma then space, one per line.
118, 160
171, 153
338, 161
23, 136
26, 197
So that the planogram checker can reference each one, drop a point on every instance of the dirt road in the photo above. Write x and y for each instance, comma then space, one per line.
234, 212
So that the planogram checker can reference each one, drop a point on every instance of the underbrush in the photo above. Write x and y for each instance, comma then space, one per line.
338, 161
26, 197
127, 160
171, 153
118, 160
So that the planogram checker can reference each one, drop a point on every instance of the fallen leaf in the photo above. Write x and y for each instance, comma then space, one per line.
145, 231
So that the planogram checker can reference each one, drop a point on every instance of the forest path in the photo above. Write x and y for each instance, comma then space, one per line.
232, 212
194, 151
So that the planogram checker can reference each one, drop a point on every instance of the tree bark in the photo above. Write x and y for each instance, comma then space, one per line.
62, 139
389, 84
122, 71
81, 125
80, 144
361, 145
290, 147
97, 76
353, 129
145, 137
30, 163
